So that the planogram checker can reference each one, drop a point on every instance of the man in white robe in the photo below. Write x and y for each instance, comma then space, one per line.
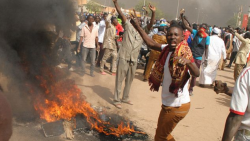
215, 50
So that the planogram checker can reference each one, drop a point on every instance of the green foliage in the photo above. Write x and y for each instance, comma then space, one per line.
159, 13
92, 6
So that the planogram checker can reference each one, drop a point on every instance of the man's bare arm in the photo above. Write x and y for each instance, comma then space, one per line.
150, 42
153, 9
185, 22
232, 125
118, 9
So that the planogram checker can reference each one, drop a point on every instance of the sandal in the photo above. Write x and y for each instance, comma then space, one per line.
118, 105
128, 102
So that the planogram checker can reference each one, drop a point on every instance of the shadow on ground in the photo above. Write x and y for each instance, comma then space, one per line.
103, 92
225, 100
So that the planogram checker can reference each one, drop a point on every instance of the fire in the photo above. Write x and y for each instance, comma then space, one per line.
64, 100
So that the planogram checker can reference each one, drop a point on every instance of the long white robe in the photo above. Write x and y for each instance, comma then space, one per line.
215, 50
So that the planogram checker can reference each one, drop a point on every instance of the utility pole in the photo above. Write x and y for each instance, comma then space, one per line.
249, 12
239, 17
143, 7
177, 9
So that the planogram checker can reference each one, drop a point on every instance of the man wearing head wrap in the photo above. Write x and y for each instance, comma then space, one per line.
199, 45
215, 50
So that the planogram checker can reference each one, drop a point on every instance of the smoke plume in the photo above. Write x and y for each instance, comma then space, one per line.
213, 12
26, 45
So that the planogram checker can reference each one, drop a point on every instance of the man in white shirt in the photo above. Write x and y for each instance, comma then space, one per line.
101, 33
175, 102
238, 120
78, 36
215, 50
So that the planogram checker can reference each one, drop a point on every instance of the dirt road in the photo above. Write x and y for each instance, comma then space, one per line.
204, 122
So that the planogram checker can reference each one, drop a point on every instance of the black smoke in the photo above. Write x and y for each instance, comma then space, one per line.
28, 30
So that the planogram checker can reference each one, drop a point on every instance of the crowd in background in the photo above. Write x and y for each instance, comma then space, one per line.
127, 41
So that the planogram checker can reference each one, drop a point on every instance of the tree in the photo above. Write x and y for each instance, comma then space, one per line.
92, 6
159, 13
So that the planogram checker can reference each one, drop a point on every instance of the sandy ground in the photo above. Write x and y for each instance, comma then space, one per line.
204, 122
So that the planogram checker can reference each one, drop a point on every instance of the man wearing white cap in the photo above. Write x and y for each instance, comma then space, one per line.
215, 50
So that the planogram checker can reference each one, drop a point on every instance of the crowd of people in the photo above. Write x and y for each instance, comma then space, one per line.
175, 53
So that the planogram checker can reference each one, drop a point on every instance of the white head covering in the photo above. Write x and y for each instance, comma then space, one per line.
216, 30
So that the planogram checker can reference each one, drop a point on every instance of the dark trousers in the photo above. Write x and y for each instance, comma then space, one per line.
91, 52
193, 79
233, 55
100, 55
79, 56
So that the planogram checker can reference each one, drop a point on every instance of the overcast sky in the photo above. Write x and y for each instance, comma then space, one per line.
213, 12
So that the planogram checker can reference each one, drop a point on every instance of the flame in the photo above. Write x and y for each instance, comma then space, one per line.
64, 100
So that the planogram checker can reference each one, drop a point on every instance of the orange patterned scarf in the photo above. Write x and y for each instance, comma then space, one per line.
178, 73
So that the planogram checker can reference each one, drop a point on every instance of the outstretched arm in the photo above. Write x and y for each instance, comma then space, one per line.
150, 42
152, 8
118, 9
185, 22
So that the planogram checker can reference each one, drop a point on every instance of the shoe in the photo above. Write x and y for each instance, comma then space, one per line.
103, 73
228, 66
191, 93
144, 80
114, 74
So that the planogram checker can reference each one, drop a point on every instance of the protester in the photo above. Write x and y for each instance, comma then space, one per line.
127, 61
90, 36
101, 32
241, 57
97, 21
199, 45
216, 49
109, 44
238, 121
236, 46
228, 39
171, 70
154, 54
78, 36
119, 32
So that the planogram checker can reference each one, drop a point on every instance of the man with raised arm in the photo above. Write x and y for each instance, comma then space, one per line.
109, 44
127, 60
172, 70
198, 46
